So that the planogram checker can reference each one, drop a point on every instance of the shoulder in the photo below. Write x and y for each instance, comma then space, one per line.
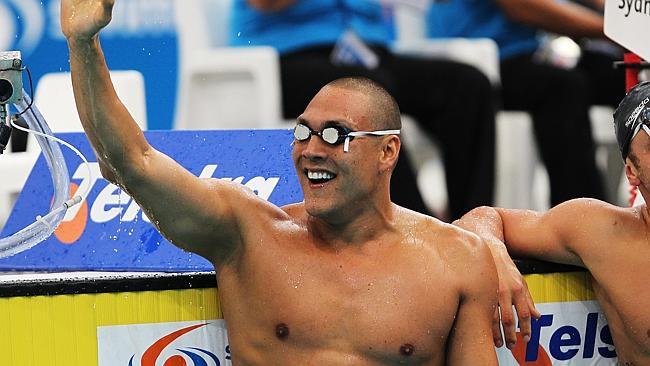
295, 209
467, 248
597, 216
450, 242
569, 220
461, 253
296, 213
591, 229
469, 258
581, 206
243, 201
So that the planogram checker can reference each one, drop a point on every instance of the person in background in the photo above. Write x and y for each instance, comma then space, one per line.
557, 98
611, 242
322, 40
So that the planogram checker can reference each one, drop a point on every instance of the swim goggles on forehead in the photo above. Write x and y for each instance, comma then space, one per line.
335, 135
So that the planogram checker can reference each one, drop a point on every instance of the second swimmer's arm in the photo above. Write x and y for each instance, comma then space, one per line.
488, 224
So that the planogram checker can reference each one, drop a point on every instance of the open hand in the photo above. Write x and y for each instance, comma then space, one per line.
83, 19
513, 290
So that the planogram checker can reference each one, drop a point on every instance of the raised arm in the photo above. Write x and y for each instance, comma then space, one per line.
470, 342
199, 215
561, 17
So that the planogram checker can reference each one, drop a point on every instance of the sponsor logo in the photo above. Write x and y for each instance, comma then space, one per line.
636, 112
113, 204
69, 231
568, 342
23, 23
169, 344
519, 352
198, 356
573, 332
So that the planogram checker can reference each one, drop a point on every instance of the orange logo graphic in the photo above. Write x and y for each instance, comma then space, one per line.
519, 352
70, 231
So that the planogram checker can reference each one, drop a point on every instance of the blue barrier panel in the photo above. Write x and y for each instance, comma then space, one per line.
109, 231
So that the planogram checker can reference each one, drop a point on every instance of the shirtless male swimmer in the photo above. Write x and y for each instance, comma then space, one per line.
613, 243
345, 277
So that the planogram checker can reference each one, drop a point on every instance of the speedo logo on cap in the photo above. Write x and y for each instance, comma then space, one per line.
636, 112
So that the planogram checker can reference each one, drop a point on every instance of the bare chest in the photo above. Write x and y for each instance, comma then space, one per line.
366, 305
621, 286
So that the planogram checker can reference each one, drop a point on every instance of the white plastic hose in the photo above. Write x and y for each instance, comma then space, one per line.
44, 226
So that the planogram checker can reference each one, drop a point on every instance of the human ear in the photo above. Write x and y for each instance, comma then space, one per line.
631, 172
389, 152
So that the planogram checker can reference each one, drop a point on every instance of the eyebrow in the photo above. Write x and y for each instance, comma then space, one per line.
330, 123
303, 121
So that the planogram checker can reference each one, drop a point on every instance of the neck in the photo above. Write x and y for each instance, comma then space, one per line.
644, 210
355, 226
643, 192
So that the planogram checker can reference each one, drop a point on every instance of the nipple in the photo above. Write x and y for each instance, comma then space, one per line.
281, 331
407, 349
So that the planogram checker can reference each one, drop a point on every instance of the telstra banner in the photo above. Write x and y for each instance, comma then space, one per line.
109, 231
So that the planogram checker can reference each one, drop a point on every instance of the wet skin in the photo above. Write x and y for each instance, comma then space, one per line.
361, 305
621, 268
613, 243
344, 278
620, 275
393, 287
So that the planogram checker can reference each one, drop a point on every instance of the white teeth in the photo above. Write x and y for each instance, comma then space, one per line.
319, 175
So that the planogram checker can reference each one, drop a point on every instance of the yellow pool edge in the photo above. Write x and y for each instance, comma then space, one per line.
62, 329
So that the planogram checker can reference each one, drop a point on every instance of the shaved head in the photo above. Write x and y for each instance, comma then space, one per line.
383, 107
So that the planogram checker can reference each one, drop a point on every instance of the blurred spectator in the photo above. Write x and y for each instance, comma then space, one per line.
322, 40
557, 97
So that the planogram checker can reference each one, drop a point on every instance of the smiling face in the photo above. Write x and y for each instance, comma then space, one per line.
337, 183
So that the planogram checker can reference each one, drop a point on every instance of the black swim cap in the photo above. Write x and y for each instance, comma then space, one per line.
632, 112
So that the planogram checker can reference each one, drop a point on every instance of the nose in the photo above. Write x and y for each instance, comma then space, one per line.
315, 149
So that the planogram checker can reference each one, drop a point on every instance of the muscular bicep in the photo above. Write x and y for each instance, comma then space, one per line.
470, 341
200, 215
545, 236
